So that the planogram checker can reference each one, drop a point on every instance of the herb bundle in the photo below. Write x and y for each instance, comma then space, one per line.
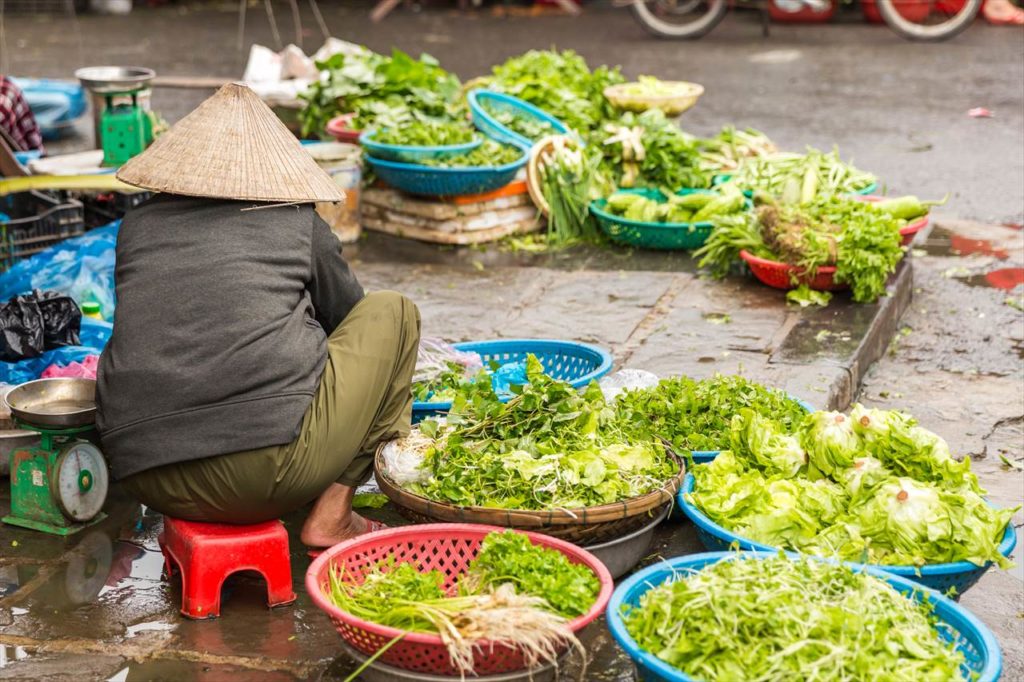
762, 620
649, 150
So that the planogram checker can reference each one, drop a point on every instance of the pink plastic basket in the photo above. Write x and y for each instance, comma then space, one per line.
785, 276
448, 547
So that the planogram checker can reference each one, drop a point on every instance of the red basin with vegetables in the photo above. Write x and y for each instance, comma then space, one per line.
448, 547
340, 128
785, 276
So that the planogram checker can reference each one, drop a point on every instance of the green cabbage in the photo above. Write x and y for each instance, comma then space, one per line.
830, 441
854, 500
766, 444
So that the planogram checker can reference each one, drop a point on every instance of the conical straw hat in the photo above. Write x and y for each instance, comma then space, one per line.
231, 147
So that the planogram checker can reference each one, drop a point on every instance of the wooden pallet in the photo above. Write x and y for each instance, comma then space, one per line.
459, 220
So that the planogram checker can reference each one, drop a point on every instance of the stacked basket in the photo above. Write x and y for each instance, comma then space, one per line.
401, 166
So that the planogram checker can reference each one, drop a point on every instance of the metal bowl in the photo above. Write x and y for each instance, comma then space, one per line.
54, 403
114, 79
12, 439
620, 555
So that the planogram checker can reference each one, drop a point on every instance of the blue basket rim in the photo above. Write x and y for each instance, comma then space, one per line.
708, 455
702, 521
597, 208
366, 139
420, 168
476, 107
655, 575
496, 345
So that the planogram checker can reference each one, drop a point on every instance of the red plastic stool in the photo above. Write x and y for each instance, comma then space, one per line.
207, 553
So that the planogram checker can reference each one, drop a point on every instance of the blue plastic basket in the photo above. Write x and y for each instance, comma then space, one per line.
577, 363
705, 456
959, 576
972, 637
414, 153
445, 182
482, 119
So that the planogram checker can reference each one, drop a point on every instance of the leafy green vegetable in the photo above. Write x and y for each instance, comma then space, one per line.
862, 243
725, 151
650, 86
443, 387
529, 127
801, 178
549, 447
369, 501
382, 91
675, 208
804, 296
489, 153
696, 415
512, 592
427, 133
649, 150
569, 181
561, 84
569, 589
873, 487
790, 619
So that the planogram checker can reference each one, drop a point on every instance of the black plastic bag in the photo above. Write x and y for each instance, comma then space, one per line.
33, 323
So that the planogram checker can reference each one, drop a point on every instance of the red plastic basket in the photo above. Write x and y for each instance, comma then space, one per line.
339, 128
448, 547
785, 276
908, 231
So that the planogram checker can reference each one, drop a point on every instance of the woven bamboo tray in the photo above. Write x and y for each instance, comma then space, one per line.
587, 526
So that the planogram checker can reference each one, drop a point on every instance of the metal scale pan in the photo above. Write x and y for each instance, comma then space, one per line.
63, 403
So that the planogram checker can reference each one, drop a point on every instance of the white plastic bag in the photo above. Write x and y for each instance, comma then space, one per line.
404, 464
626, 379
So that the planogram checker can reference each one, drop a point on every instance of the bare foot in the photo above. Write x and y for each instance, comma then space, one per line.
1002, 12
331, 534
332, 519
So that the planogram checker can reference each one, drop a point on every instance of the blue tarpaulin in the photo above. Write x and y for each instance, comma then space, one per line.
81, 267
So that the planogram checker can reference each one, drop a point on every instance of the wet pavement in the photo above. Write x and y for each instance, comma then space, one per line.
946, 345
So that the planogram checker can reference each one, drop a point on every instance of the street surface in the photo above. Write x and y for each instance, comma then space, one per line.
946, 345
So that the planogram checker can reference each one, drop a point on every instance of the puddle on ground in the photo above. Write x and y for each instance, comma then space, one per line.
943, 242
9, 654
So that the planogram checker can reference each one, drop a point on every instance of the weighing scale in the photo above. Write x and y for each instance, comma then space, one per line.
124, 127
59, 486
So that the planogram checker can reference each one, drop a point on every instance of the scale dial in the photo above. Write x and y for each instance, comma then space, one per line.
80, 481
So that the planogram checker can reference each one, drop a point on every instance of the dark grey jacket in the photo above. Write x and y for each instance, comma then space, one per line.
221, 329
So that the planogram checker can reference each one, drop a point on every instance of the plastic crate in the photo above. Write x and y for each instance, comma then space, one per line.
103, 209
36, 221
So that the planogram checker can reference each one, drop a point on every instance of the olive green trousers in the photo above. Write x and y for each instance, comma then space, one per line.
364, 399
